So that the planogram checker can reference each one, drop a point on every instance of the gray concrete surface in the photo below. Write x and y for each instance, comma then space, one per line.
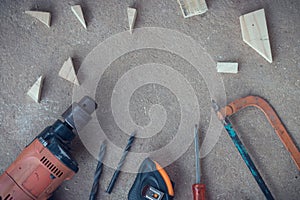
29, 49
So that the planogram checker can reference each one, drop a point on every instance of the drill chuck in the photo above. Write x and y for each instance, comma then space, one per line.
79, 114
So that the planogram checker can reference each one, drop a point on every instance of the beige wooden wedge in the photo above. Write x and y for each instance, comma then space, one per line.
44, 17
131, 12
255, 33
79, 14
68, 72
36, 89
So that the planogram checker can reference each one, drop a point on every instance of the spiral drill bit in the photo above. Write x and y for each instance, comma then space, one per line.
120, 164
94, 191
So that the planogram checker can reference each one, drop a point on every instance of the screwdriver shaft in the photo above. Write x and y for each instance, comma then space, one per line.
197, 156
198, 188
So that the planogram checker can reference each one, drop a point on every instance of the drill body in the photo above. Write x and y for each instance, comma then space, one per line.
46, 162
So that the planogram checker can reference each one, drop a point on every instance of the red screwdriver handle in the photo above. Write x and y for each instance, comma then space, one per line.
199, 191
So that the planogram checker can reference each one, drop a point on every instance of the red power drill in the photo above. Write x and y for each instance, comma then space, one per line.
46, 162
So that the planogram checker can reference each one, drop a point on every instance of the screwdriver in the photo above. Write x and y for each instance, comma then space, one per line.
198, 187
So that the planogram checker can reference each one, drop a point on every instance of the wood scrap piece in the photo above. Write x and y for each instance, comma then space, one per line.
255, 33
131, 12
36, 89
79, 14
68, 72
44, 17
227, 67
191, 8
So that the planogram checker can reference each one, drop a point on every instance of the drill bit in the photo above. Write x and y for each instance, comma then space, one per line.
94, 191
120, 164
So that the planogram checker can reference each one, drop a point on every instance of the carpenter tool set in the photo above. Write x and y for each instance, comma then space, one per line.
46, 162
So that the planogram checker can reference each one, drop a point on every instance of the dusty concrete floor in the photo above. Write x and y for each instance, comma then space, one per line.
29, 49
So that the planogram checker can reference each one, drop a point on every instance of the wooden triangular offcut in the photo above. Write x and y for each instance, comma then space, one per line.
255, 33
43, 17
131, 12
36, 90
79, 14
68, 72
